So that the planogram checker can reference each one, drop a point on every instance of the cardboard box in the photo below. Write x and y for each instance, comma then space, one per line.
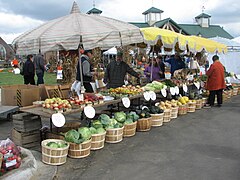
19, 95
42, 91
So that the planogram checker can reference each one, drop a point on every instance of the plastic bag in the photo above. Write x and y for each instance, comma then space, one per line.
11, 155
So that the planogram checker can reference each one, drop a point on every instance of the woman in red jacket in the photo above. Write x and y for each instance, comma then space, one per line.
215, 82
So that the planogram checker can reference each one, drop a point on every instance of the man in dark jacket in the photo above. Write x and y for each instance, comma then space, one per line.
116, 72
39, 66
86, 70
29, 71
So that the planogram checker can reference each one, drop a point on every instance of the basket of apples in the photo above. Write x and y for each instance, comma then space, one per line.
10, 156
76, 103
56, 105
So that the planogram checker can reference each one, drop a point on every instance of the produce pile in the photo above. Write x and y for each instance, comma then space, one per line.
123, 91
57, 104
89, 99
78, 136
11, 156
154, 86
56, 145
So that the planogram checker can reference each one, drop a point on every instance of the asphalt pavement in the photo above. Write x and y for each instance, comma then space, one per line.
204, 145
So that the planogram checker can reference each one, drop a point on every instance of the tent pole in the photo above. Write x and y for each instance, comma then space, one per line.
80, 62
152, 64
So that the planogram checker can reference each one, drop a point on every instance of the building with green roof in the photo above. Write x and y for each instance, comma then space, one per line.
201, 28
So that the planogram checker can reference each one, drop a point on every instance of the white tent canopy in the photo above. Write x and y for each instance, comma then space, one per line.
237, 39
227, 42
67, 32
112, 51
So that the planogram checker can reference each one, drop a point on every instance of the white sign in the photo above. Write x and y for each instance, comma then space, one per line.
146, 96
59, 74
197, 84
153, 95
144, 107
176, 90
89, 111
185, 88
126, 102
164, 92
58, 120
172, 91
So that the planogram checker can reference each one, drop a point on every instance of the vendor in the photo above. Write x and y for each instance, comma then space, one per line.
176, 63
116, 72
152, 71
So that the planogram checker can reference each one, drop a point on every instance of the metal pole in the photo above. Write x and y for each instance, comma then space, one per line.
80, 62
152, 65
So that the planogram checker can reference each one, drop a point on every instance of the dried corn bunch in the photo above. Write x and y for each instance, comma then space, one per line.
126, 56
96, 52
69, 67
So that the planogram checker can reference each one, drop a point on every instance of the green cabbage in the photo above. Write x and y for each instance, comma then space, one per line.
97, 124
93, 130
134, 115
128, 121
100, 130
72, 136
120, 117
105, 119
85, 133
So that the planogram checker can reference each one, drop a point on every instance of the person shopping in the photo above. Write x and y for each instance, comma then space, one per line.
215, 82
152, 71
29, 71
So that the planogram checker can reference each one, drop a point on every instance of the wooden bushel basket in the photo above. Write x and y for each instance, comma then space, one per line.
191, 107
174, 113
1, 159
167, 115
182, 110
235, 91
79, 150
54, 156
157, 119
98, 141
199, 104
130, 129
204, 101
114, 135
144, 124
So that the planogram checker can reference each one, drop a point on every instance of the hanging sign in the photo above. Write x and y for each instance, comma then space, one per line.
164, 92
153, 95
197, 84
185, 88
146, 96
126, 102
172, 91
89, 111
176, 90
58, 119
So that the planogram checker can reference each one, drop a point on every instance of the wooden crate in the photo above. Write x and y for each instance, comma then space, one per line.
26, 122
30, 139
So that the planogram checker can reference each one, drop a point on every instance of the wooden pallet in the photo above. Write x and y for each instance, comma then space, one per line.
26, 139
26, 122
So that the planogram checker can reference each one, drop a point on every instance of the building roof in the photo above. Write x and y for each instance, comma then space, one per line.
140, 24
161, 23
203, 15
211, 31
152, 10
94, 11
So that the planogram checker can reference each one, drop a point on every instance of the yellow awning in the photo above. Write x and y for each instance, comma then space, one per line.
167, 38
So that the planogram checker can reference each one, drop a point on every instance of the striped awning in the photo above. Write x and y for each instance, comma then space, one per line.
66, 33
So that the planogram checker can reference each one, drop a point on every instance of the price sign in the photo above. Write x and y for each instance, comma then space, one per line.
164, 92
153, 95
185, 88
146, 96
89, 111
172, 91
58, 119
176, 90
126, 102
197, 84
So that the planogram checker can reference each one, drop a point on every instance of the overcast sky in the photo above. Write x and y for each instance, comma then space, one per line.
18, 16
